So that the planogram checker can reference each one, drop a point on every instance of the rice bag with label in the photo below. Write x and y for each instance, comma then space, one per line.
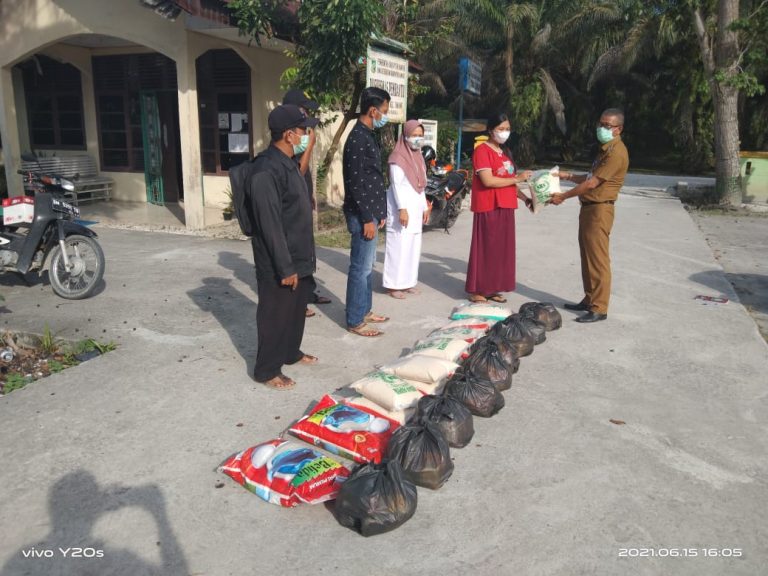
350, 431
445, 348
427, 388
387, 390
470, 323
480, 310
543, 184
421, 368
286, 473
399, 416
460, 333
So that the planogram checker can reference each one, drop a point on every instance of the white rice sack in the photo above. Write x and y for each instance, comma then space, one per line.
467, 334
471, 323
422, 368
426, 388
480, 310
387, 390
445, 348
544, 183
399, 416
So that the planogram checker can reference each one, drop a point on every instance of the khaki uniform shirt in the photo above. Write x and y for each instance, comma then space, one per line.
611, 166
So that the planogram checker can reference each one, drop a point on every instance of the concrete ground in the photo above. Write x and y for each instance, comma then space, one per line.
117, 456
739, 243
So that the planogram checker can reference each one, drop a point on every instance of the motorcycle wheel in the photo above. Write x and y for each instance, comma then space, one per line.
453, 210
87, 260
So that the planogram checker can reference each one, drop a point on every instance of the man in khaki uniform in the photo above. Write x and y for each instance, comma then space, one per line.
597, 192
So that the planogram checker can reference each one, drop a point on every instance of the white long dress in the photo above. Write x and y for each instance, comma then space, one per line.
403, 249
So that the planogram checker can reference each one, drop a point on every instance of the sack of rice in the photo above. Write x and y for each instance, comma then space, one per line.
543, 184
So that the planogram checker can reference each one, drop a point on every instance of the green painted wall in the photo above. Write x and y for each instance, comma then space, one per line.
754, 184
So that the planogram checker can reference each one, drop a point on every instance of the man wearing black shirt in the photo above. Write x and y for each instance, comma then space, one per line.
298, 98
283, 247
365, 208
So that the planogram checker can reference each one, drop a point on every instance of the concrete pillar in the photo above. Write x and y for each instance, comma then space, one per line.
9, 132
189, 128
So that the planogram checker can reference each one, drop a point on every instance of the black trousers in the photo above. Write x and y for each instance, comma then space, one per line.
280, 320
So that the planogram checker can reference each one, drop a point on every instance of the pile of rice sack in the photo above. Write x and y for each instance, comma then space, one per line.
370, 449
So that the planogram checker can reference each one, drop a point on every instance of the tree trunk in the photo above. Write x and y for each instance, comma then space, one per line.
349, 115
727, 171
509, 61
720, 62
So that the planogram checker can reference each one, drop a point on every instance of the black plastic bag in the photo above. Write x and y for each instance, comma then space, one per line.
516, 333
376, 498
487, 362
451, 416
507, 350
423, 452
480, 396
544, 312
536, 328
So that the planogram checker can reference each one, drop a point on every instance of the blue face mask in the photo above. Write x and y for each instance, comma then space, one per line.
301, 146
381, 122
604, 134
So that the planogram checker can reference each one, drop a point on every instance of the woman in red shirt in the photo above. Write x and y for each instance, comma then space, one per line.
491, 266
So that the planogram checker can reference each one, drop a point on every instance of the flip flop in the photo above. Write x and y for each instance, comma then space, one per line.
309, 359
413, 290
375, 318
397, 294
309, 313
321, 299
477, 298
280, 382
364, 330
497, 298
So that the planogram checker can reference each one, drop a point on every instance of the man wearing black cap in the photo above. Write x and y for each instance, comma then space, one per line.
283, 246
298, 98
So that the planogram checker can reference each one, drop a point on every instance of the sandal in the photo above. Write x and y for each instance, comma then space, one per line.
308, 359
413, 290
320, 299
375, 318
309, 313
497, 298
280, 382
397, 294
364, 330
477, 298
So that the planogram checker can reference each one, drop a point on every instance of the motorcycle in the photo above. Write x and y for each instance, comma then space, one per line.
445, 192
75, 258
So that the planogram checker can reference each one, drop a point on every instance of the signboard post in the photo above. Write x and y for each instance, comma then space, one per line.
389, 72
470, 76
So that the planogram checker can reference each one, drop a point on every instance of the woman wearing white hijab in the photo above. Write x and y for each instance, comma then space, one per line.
407, 210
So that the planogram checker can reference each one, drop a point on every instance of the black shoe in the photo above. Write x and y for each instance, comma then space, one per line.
581, 306
592, 317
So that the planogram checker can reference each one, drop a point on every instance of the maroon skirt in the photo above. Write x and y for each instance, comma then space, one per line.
491, 266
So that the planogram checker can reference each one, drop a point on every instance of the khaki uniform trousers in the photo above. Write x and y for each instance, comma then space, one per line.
595, 223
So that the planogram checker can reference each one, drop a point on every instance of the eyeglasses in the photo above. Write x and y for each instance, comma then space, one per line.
606, 125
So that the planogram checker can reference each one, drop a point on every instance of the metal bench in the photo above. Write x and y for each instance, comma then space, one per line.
81, 169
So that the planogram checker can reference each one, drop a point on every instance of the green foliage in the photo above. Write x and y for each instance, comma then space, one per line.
526, 103
255, 17
55, 366
48, 342
335, 35
15, 381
